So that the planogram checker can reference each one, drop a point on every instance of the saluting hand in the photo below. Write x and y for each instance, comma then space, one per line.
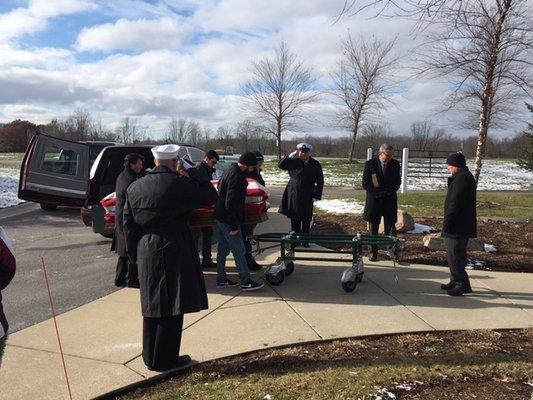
233, 233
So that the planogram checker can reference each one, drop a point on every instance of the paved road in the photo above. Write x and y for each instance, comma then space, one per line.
81, 267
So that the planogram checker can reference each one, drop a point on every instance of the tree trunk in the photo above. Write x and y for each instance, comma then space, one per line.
355, 129
278, 138
488, 92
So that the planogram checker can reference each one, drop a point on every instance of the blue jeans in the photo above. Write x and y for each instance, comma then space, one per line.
227, 242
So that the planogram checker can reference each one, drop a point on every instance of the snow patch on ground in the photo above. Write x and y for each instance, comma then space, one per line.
9, 184
340, 206
495, 175
421, 228
489, 248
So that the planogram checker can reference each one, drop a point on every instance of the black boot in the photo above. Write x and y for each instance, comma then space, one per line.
460, 288
447, 286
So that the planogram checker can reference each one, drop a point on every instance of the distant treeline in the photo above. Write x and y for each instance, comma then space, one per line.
15, 136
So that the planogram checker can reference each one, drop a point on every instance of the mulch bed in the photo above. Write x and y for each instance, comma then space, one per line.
512, 239
468, 350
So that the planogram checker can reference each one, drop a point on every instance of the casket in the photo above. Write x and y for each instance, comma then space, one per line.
255, 208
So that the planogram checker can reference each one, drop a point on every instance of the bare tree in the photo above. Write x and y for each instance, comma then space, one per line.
362, 82
177, 130
279, 90
130, 131
485, 47
425, 136
193, 133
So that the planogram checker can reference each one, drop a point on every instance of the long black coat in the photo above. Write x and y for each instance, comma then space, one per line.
460, 206
231, 197
381, 201
306, 183
158, 237
201, 172
124, 180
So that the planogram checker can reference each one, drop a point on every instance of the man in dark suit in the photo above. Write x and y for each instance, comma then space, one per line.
460, 222
126, 274
204, 172
305, 186
381, 180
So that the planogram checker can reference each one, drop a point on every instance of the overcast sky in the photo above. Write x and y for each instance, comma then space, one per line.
153, 60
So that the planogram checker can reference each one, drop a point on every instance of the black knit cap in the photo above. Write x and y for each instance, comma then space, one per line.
249, 159
259, 156
457, 160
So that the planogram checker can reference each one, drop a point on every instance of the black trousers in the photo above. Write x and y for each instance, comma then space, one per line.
3, 342
126, 273
390, 229
207, 241
457, 259
247, 233
161, 341
299, 226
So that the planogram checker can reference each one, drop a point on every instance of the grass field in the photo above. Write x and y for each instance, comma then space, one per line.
11, 160
431, 204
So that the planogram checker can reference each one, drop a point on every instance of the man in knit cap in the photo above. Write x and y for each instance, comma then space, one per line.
459, 222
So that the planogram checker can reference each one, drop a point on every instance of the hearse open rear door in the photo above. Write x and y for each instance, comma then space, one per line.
54, 172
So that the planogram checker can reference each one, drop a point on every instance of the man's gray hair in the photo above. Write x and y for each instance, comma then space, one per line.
386, 147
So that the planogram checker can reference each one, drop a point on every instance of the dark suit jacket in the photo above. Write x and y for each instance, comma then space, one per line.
381, 201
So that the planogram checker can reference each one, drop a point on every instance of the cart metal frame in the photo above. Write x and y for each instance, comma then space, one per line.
292, 243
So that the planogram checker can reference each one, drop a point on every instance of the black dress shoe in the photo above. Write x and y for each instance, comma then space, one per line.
180, 362
459, 289
447, 286
208, 264
373, 258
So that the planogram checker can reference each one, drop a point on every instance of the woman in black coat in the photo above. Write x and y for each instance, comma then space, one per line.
126, 274
159, 239
305, 185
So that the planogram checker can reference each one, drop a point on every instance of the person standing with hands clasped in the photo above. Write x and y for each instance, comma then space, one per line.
304, 188
460, 222
159, 239
229, 215
381, 180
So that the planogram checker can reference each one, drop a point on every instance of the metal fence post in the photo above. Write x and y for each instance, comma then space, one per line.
405, 162
369, 153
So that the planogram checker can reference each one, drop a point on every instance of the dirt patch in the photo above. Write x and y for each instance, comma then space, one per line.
513, 241
484, 365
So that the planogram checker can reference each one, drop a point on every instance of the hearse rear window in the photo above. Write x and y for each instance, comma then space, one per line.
60, 160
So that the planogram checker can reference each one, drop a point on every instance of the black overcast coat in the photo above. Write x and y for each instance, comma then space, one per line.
381, 201
158, 237
306, 183
460, 206
231, 197
124, 180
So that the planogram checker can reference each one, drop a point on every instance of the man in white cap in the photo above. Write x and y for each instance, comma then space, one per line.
158, 207
304, 187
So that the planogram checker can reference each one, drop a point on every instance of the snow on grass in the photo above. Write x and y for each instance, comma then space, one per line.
495, 175
421, 228
9, 183
340, 206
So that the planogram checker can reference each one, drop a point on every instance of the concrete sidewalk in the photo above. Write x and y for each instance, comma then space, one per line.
102, 339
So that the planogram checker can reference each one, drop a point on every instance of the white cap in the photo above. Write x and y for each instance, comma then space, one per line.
166, 151
304, 146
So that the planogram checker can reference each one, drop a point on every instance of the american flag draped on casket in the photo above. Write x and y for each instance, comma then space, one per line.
255, 209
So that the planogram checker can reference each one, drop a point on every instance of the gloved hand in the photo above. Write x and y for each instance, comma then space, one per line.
315, 200
294, 154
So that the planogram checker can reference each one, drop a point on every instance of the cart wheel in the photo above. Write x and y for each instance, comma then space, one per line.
289, 268
275, 279
349, 286
359, 277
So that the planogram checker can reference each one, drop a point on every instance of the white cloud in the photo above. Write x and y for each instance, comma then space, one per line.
35, 17
140, 34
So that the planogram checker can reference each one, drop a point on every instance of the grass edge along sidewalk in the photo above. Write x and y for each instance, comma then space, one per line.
365, 367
